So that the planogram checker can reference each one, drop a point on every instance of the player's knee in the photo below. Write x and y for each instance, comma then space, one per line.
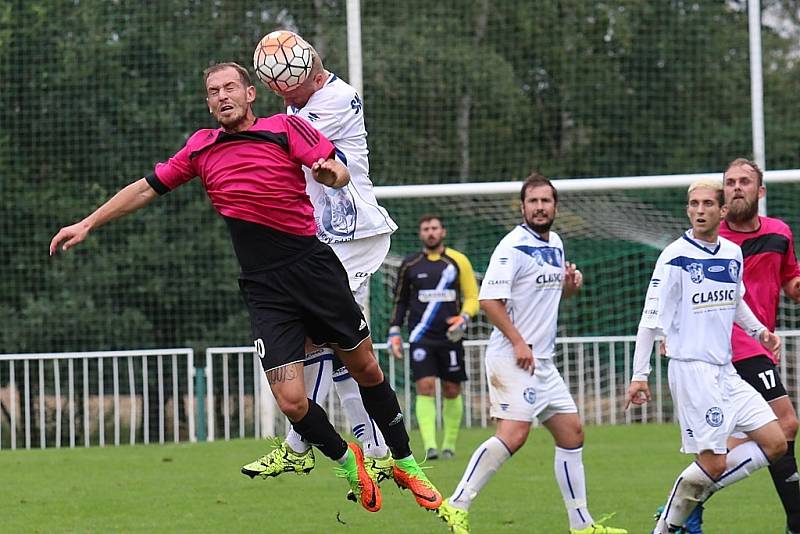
426, 386
293, 408
774, 447
451, 389
713, 465
572, 439
513, 435
514, 440
579, 436
714, 469
364, 370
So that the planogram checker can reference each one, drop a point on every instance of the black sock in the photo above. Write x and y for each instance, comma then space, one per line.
789, 492
381, 404
318, 431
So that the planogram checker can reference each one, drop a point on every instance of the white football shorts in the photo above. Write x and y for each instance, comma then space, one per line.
517, 395
713, 402
361, 258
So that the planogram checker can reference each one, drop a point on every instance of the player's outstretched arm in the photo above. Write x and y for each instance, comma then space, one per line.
331, 173
128, 199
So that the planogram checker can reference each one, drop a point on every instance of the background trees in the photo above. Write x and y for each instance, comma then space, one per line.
93, 93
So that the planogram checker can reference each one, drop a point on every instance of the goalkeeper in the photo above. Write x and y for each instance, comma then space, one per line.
436, 287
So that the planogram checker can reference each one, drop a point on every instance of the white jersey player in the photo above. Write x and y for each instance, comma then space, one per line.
358, 230
695, 295
521, 290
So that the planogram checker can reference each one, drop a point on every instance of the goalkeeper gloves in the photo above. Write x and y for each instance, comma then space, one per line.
395, 342
458, 327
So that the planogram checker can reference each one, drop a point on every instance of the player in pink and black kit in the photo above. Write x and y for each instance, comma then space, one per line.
769, 266
252, 171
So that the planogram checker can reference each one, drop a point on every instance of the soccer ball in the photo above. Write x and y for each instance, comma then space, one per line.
282, 61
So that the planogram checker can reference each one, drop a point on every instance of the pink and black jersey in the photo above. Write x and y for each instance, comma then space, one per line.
255, 180
769, 262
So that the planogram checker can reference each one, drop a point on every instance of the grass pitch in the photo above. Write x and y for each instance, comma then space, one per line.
198, 488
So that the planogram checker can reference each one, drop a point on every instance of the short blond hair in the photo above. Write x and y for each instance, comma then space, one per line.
708, 184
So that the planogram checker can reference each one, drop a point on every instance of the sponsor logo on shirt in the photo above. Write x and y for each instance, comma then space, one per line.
437, 295
709, 301
551, 278
723, 296
497, 282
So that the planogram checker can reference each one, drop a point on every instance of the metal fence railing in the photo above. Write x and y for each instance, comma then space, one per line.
596, 369
96, 398
155, 396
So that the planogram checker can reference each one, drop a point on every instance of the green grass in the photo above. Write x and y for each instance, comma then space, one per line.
198, 488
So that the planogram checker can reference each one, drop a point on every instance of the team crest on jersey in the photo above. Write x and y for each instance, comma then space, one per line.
338, 212
714, 416
733, 270
419, 354
696, 272
529, 395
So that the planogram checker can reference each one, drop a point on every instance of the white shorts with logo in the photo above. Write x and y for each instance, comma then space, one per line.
713, 402
361, 258
517, 395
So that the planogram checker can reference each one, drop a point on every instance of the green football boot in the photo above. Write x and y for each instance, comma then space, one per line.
280, 460
456, 518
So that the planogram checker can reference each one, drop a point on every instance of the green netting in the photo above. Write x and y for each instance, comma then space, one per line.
613, 236
93, 93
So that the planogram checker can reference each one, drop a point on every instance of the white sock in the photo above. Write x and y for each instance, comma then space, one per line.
742, 461
692, 487
485, 461
318, 379
364, 428
295, 442
571, 480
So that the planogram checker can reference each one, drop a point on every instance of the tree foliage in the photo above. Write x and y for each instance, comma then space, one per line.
94, 92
